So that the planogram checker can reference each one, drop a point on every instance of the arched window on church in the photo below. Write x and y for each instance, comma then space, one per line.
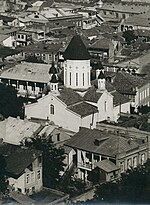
70, 78
52, 109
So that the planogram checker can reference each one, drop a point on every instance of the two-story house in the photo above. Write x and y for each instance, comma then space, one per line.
23, 167
102, 156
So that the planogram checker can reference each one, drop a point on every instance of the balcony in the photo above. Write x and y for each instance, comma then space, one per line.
85, 165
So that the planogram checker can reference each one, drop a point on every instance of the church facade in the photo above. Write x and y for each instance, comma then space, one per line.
77, 103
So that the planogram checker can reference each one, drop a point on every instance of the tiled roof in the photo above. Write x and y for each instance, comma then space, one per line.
107, 165
76, 50
6, 51
83, 109
109, 144
69, 96
119, 98
41, 47
17, 158
101, 44
91, 95
139, 20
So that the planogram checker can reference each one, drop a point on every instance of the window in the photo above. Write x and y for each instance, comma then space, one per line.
27, 178
129, 164
18, 36
142, 158
121, 167
134, 162
96, 158
22, 36
88, 77
76, 79
83, 79
105, 106
58, 137
70, 78
52, 109
38, 174
32, 177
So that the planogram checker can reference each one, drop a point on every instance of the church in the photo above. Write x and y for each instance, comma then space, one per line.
77, 103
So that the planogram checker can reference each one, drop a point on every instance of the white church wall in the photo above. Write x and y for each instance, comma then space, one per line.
125, 108
77, 74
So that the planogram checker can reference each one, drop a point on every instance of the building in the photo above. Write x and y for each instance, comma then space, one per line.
15, 130
24, 168
28, 78
77, 100
47, 52
102, 156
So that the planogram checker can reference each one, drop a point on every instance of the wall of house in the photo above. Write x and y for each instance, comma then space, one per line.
62, 116
123, 108
8, 42
144, 95
105, 107
77, 74
30, 181
133, 158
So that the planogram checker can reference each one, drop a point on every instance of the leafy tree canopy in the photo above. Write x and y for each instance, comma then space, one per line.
52, 159
129, 36
3, 179
10, 104
133, 187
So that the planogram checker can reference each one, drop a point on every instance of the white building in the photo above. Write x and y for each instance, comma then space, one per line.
24, 168
77, 103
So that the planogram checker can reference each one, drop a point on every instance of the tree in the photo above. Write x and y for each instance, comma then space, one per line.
10, 104
3, 179
133, 187
52, 159
129, 36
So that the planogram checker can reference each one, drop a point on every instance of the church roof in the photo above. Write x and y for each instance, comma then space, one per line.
83, 109
101, 75
69, 96
76, 50
92, 96
54, 79
52, 69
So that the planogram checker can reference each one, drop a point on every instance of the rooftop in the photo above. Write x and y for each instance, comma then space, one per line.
13, 130
110, 144
83, 109
17, 158
69, 96
32, 72
76, 50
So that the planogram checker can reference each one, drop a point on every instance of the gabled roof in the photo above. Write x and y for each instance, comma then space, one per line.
69, 96
119, 98
17, 158
76, 50
109, 144
83, 109
101, 75
92, 96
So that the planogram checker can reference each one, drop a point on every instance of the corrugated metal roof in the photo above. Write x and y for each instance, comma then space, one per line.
33, 72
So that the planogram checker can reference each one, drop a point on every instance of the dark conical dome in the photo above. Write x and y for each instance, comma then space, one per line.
54, 79
52, 69
101, 75
76, 50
